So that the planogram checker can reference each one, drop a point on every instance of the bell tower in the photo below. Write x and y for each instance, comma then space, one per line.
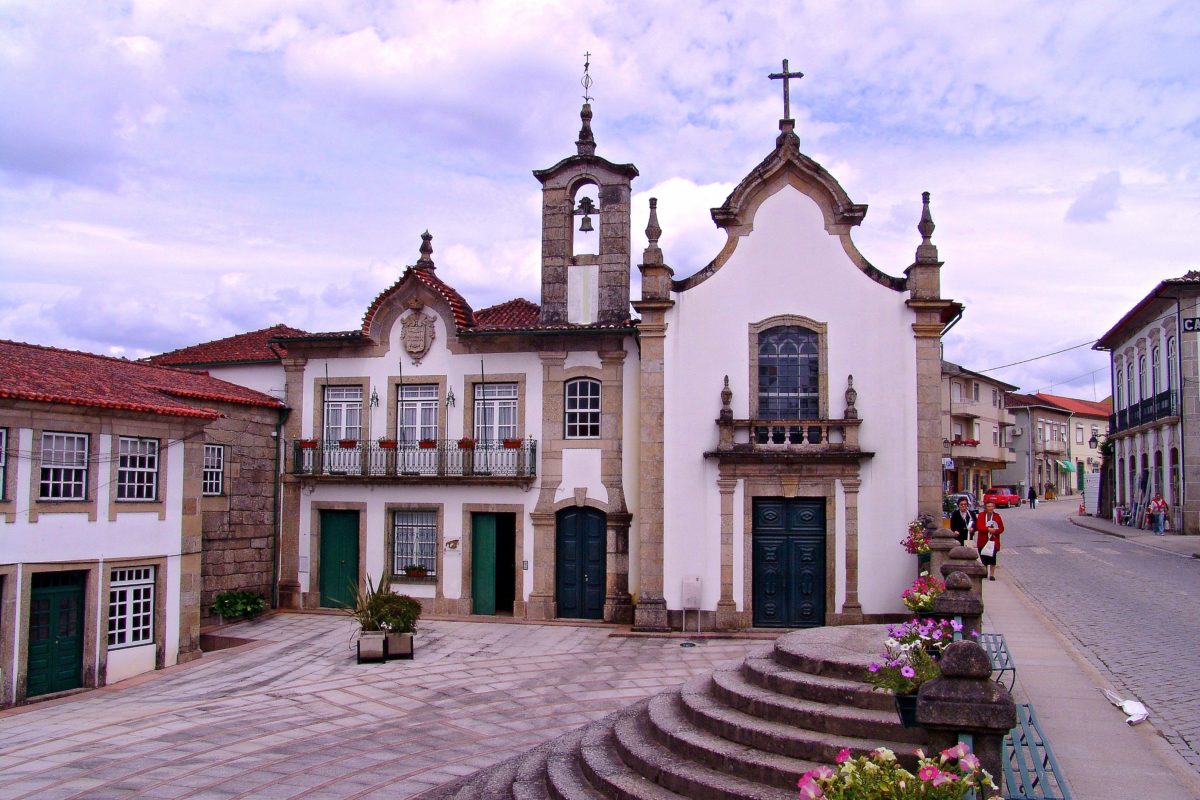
585, 233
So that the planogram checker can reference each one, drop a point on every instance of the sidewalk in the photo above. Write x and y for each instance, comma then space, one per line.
1101, 757
1172, 543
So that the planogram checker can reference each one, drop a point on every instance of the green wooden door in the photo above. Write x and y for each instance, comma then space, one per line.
55, 633
789, 563
483, 563
339, 558
580, 573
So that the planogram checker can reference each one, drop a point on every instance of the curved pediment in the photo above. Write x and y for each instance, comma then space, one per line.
787, 166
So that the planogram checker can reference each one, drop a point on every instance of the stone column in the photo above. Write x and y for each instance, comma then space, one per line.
290, 594
727, 616
618, 607
541, 603
851, 609
941, 542
651, 613
965, 699
965, 560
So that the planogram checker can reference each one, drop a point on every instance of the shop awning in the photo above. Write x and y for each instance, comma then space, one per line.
1067, 465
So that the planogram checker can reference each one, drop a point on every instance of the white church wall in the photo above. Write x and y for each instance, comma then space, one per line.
790, 265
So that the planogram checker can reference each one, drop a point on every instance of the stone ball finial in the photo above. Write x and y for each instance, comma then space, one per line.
653, 231
851, 399
959, 582
726, 401
965, 659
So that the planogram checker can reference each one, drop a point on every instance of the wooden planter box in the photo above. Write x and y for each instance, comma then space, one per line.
399, 645
372, 646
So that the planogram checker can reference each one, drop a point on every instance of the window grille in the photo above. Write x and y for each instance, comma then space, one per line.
137, 469
343, 412
495, 411
131, 607
64, 466
418, 413
214, 470
414, 538
583, 409
788, 374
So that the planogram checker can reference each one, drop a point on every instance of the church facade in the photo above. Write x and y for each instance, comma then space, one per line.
749, 442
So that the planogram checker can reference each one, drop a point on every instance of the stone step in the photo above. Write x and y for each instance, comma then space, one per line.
605, 770
495, 784
533, 773
768, 673
731, 688
837, 652
639, 748
565, 779
675, 731
710, 714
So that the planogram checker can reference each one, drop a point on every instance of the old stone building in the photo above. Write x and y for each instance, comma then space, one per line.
749, 442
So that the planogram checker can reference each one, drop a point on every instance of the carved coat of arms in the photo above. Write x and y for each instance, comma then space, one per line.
416, 334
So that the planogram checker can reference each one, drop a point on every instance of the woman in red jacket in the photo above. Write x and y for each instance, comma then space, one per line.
988, 527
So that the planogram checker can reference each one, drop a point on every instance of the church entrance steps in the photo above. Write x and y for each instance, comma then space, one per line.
749, 730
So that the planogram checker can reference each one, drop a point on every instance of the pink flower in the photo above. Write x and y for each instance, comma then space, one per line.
822, 773
843, 755
873, 668
944, 777
809, 790
969, 762
908, 672
928, 772
958, 751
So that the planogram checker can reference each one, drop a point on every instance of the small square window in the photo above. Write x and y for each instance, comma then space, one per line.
137, 469
64, 466
214, 470
414, 540
131, 607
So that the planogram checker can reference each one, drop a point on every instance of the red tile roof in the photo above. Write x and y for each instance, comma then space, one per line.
1087, 408
464, 317
518, 313
51, 375
252, 347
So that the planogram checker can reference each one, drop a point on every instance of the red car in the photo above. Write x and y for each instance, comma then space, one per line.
1002, 496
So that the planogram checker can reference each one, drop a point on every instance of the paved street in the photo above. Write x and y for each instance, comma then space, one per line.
296, 717
1134, 610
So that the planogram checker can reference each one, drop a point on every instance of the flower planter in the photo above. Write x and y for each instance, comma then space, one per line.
512, 444
348, 444
416, 573
466, 444
399, 645
387, 444
906, 709
427, 444
308, 444
372, 646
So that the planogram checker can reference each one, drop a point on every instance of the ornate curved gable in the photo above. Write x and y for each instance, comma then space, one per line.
787, 166
418, 285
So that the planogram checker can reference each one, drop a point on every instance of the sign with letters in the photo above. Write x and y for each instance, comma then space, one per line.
1191, 323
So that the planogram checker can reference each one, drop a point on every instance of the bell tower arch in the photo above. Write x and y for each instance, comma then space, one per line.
585, 200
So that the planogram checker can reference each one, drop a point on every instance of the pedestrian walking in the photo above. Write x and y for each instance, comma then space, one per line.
1032, 496
1158, 514
962, 522
989, 526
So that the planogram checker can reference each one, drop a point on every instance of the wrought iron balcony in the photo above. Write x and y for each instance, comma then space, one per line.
1161, 406
476, 460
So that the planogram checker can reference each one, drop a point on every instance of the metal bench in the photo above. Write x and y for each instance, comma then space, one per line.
997, 650
1030, 770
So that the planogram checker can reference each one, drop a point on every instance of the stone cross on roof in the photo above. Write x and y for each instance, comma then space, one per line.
786, 77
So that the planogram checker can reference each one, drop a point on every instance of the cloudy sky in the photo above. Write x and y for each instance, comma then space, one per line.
173, 171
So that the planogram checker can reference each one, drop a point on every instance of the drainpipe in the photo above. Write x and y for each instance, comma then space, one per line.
275, 515
1179, 504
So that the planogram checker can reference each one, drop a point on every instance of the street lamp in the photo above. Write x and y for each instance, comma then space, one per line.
945, 451
1093, 442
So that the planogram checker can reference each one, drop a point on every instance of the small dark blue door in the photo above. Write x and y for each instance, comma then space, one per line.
580, 570
789, 563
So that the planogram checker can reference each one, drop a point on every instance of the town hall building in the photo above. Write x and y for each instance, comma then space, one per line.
748, 441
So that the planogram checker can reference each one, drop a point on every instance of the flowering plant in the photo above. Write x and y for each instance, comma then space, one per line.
910, 654
919, 596
916, 541
879, 776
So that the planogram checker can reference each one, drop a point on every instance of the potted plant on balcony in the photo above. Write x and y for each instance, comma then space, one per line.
416, 571
427, 444
386, 444
347, 444
307, 444
512, 444
466, 443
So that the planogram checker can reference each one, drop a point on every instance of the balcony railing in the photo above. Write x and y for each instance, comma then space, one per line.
428, 459
1163, 404
794, 436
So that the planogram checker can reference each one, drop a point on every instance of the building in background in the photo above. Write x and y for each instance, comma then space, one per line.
106, 466
1046, 442
975, 428
1155, 424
